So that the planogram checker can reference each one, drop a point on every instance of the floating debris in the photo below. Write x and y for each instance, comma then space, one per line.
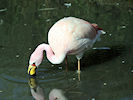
60, 68
43, 5
110, 34
52, 65
117, 4
123, 26
29, 48
101, 48
1, 21
67, 5
93, 99
1, 10
25, 24
47, 20
74, 78
130, 10
104, 84
47, 9
17, 56
123, 61
1, 91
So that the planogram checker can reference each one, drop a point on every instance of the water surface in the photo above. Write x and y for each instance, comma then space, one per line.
107, 74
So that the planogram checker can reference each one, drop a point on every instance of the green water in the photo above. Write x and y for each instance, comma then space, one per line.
106, 74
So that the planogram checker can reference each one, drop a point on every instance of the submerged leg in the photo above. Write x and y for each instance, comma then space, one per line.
66, 63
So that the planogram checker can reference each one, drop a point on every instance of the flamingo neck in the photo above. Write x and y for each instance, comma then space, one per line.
53, 58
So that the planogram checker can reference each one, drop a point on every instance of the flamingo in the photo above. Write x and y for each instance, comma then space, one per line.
68, 36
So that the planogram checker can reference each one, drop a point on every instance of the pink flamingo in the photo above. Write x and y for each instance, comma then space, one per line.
68, 36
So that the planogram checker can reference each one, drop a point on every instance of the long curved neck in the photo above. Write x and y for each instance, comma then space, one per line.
53, 58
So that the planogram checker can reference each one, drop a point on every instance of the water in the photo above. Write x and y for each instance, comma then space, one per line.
107, 70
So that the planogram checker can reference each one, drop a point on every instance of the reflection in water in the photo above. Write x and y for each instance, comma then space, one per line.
38, 93
106, 74
56, 94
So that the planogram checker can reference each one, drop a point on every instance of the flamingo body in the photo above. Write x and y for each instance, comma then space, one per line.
71, 36
68, 36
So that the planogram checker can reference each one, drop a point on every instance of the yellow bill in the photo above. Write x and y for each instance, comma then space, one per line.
32, 69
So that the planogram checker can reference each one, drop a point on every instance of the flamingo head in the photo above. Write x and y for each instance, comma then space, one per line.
34, 62
32, 70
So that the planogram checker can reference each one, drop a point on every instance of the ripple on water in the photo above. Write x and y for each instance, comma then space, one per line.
44, 75
13, 79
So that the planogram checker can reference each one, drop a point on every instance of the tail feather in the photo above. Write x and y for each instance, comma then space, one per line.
98, 29
101, 32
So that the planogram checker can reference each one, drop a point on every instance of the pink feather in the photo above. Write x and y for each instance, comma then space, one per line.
68, 36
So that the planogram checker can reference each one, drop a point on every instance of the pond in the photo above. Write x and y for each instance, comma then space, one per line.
106, 69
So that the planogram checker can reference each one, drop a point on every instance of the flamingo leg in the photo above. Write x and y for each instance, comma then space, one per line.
79, 69
79, 56
66, 64
79, 76
78, 66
